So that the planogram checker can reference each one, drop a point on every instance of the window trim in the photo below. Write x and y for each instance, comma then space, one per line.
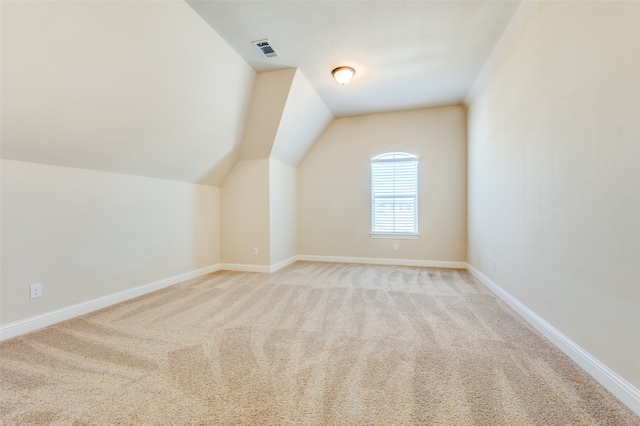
383, 158
403, 236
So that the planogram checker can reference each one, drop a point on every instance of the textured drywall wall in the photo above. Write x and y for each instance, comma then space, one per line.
554, 175
245, 220
283, 211
85, 234
334, 191
258, 201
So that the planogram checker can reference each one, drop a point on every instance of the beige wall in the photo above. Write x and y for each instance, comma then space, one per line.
259, 196
283, 211
258, 209
334, 191
86, 234
554, 175
245, 221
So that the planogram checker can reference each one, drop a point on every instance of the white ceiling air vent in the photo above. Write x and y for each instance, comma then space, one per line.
266, 48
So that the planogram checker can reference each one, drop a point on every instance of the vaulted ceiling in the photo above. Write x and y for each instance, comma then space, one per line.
407, 54
171, 90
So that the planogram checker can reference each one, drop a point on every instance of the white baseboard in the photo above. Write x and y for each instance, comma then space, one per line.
623, 390
241, 267
381, 261
266, 269
283, 264
7, 331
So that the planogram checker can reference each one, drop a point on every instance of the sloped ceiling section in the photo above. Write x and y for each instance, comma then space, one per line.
285, 118
270, 93
141, 88
304, 119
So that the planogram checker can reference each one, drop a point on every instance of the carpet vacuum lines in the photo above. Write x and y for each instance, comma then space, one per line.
312, 344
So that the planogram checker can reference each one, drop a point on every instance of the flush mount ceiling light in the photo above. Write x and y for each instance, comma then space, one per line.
343, 75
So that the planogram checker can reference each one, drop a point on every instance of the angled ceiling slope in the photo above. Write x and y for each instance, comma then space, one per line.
285, 118
140, 88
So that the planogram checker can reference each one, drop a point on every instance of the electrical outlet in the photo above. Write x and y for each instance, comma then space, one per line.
493, 264
255, 251
395, 247
35, 291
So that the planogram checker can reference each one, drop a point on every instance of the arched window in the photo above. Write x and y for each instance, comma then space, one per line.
394, 194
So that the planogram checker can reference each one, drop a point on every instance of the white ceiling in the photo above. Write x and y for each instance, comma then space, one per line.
147, 88
407, 54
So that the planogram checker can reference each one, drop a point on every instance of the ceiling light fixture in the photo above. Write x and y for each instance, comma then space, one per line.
343, 75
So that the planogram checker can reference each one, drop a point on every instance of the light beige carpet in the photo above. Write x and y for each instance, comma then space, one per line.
314, 343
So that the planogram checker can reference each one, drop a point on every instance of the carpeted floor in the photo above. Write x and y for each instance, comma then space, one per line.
315, 343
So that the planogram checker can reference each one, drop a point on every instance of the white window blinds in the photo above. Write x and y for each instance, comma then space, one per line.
394, 194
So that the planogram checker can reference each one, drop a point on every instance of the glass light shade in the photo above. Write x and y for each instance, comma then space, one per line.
343, 75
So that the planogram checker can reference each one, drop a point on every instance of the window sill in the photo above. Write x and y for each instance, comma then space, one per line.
396, 236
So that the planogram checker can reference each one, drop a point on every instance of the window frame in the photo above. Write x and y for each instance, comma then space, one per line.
395, 157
